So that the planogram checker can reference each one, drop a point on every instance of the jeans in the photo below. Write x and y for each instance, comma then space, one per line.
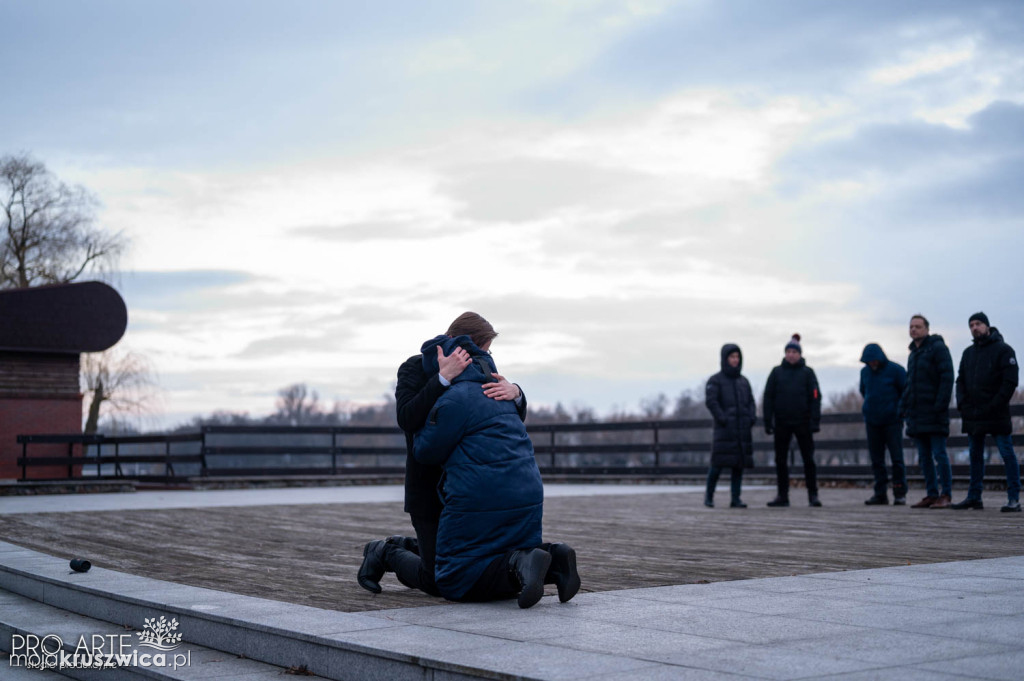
1005, 445
736, 481
783, 434
880, 437
931, 450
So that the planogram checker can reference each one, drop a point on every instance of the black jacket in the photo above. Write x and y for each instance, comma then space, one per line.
925, 401
792, 397
984, 385
415, 395
731, 402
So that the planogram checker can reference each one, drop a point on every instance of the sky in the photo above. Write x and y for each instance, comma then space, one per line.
312, 189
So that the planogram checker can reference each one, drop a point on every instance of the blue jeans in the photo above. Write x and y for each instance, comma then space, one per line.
1005, 445
928, 447
880, 437
736, 481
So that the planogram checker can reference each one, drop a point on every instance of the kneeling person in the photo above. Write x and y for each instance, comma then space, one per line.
489, 544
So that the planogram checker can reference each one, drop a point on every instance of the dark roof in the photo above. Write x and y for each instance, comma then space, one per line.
71, 318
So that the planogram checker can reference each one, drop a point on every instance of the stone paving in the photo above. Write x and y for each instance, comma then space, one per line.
953, 620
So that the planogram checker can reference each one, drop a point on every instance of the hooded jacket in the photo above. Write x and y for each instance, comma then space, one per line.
985, 384
731, 402
792, 397
925, 401
491, 487
881, 388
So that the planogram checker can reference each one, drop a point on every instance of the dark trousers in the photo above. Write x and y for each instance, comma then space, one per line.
497, 583
736, 481
417, 571
783, 434
880, 438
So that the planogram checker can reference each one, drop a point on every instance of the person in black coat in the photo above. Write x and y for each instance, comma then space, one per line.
985, 384
417, 390
792, 408
731, 402
882, 383
925, 408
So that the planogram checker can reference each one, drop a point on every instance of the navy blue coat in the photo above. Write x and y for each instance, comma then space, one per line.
881, 388
731, 402
925, 401
491, 489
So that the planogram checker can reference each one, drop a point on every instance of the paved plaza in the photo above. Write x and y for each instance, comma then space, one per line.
936, 619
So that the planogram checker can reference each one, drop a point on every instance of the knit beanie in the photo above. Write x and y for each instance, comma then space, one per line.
794, 343
981, 317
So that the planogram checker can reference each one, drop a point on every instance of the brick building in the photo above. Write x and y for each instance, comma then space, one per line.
42, 333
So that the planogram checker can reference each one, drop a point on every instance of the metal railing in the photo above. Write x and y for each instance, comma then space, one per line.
657, 448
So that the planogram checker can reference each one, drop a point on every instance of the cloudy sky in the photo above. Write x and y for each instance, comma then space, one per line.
312, 189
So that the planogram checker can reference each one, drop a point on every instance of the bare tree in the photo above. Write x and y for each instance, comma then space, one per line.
123, 380
48, 234
297, 405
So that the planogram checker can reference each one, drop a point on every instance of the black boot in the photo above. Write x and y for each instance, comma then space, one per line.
779, 501
562, 572
812, 499
709, 501
407, 543
374, 566
529, 568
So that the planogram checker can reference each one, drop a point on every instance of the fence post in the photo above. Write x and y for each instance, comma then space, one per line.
334, 451
71, 463
168, 466
657, 447
118, 473
552, 447
24, 459
202, 452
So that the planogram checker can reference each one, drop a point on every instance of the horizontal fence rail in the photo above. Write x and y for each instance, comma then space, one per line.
656, 447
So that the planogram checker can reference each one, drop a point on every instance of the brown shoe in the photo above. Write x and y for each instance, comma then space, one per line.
925, 503
942, 502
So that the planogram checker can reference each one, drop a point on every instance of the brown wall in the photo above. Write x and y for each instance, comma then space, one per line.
39, 393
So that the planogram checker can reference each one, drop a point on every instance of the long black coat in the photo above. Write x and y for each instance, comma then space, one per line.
984, 385
925, 402
415, 395
792, 397
731, 402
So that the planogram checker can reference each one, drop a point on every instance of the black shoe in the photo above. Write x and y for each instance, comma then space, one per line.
709, 502
1011, 507
878, 500
408, 543
736, 503
968, 503
374, 566
529, 568
812, 500
899, 501
778, 502
562, 572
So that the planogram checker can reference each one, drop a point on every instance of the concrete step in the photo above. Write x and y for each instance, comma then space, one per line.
27, 627
330, 644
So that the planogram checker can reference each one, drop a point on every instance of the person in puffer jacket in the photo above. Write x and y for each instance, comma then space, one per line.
881, 385
731, 402
985, 384
489, 544
792, 408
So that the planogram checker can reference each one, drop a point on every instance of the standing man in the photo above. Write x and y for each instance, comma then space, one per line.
925, 406
881, 384
731, 402
792, 407
415, 394
984, 385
